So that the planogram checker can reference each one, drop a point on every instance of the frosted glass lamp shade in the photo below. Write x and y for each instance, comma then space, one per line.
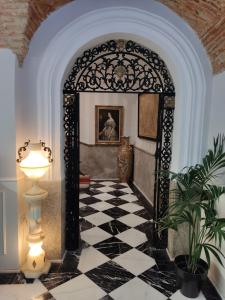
35, 164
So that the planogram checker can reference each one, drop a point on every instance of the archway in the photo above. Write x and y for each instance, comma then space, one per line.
116, 66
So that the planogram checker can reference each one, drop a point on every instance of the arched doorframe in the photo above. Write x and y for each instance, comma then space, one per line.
191, 76
116, 66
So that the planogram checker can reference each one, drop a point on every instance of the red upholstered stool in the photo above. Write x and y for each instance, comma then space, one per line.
85, 181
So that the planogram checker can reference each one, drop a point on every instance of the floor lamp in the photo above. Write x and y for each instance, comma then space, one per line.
35, 165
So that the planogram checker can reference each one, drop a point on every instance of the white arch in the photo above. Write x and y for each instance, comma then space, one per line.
146, 22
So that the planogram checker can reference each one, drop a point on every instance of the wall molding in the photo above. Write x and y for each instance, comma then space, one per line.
11, 179
97, 145
3, 223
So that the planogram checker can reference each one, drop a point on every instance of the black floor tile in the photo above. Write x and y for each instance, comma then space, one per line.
12, 278
117, 193
163, 281
86, 211
85, 225
144, 214
117, 201
114, 227
90, 200
116, 212
118, 186
106, 297
52, 280
109, 276
112, 247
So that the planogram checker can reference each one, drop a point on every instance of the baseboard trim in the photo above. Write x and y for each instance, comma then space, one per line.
10, 271
143, 194
146, 201
104, 179
215, 277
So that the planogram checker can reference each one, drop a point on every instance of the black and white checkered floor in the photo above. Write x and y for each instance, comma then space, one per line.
115, 262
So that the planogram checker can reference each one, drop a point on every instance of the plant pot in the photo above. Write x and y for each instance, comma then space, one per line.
190, 284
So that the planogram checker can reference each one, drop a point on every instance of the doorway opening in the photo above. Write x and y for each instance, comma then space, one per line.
116, 66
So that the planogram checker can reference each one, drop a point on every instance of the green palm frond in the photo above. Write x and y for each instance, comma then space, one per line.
194, 201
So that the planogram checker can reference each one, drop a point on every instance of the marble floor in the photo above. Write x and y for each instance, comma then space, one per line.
116, 260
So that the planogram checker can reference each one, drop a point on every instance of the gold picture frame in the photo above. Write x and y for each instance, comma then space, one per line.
108, 124
148, 110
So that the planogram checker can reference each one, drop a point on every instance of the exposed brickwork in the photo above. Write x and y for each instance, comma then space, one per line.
207, 18
19, 19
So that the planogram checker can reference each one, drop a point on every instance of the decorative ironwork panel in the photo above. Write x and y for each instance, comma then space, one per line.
71, 157
165, 156
115, 66
119, 66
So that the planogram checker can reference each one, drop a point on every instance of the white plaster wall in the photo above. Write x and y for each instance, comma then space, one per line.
8, 182
217, 125
88, 101
7, 114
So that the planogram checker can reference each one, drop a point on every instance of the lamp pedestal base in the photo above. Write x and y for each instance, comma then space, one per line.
31, 274
36, 263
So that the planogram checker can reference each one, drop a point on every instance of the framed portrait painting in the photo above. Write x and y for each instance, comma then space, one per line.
108, 124
148, 110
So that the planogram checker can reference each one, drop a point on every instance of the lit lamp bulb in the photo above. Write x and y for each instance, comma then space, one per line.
34, 166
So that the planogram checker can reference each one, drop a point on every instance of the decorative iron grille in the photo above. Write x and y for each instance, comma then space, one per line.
119, 66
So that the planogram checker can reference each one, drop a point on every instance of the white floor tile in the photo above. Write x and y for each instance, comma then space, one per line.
136, 289
131, 207
132, 237
102, 205
98, 218
91, 258
179, 296
79, 288
94, 235
124, 184
104, 196
132, 220
83, 195
129, 198
135, 261
82, 204
127, 190
107, 183
21, 291
106, 189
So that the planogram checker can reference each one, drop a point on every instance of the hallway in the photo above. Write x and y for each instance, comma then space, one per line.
115, 262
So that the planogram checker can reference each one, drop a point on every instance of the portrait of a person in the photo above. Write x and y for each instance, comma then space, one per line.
109, 124
109, 132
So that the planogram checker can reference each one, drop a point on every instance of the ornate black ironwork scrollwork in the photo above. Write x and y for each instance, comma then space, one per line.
21, 150
119, 66
71, 157
50, 159
165, 160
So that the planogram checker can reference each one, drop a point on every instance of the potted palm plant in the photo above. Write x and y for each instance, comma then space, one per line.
194, 204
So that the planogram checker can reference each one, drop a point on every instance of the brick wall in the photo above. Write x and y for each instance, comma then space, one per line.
19, 19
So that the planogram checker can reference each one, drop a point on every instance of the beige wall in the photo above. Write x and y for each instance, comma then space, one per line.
144, 177
100, 162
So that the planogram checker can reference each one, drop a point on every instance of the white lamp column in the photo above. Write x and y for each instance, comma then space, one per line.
34, 166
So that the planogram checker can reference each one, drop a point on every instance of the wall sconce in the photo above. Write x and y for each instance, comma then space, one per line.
35, 165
